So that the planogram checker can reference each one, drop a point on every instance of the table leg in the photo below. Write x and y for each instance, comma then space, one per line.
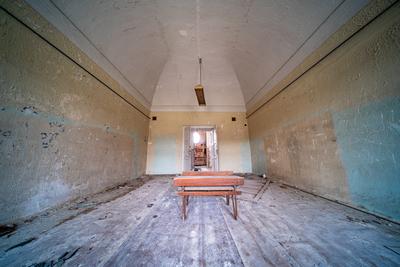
184, 207
235, 211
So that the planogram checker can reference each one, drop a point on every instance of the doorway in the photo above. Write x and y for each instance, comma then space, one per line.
200, 148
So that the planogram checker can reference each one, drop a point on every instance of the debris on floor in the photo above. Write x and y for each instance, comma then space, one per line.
254, 187
23, 243
7, 229
260, 193
29, 228
59, 262
285, 227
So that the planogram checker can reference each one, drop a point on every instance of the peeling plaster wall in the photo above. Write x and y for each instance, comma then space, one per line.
165, 148
335, 130
62, 133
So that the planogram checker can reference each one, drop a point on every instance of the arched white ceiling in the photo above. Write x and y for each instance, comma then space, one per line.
152, 47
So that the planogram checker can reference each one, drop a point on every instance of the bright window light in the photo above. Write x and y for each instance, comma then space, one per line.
196, 137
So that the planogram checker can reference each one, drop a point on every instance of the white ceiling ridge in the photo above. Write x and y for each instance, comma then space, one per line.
159, 77
240, 86
295, 52
48, 9
162, 33
160, 56
194, 108
248, 6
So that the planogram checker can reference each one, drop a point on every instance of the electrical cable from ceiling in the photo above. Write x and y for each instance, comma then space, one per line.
199, 89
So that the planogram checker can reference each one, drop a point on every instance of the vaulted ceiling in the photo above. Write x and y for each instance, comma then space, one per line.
152, 47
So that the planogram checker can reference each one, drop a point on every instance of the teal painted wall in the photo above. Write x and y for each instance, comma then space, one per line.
165, 155
336, 128
258, 156
369, 143
63, 135
245, 155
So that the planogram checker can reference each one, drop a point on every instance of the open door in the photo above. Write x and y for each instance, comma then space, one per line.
212, 149
187, 155
200, 149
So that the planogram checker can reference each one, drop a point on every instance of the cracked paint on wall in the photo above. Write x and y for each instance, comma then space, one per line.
304, 151
334, 130
62, 133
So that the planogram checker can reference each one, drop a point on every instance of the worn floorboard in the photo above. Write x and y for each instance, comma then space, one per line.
285, 227
163, 239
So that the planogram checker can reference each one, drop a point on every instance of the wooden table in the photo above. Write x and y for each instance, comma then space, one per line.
207, 173
218, 185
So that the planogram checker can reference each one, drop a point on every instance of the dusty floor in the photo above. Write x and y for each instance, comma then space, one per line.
142, 227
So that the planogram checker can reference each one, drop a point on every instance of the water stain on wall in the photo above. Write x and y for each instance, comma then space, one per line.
63, 134
340, 121
305, 154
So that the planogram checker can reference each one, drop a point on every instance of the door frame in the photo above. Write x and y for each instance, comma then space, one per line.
211, 127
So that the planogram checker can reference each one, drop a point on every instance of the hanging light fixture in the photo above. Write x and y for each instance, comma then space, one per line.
199, 89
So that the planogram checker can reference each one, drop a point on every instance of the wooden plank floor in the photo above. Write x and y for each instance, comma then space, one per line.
285, 227
163, 239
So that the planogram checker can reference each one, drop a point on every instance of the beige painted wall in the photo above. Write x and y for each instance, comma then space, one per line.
335, 130
165, 146
63, 134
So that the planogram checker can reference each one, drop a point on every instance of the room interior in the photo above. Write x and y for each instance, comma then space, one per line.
104, 103
200, 148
